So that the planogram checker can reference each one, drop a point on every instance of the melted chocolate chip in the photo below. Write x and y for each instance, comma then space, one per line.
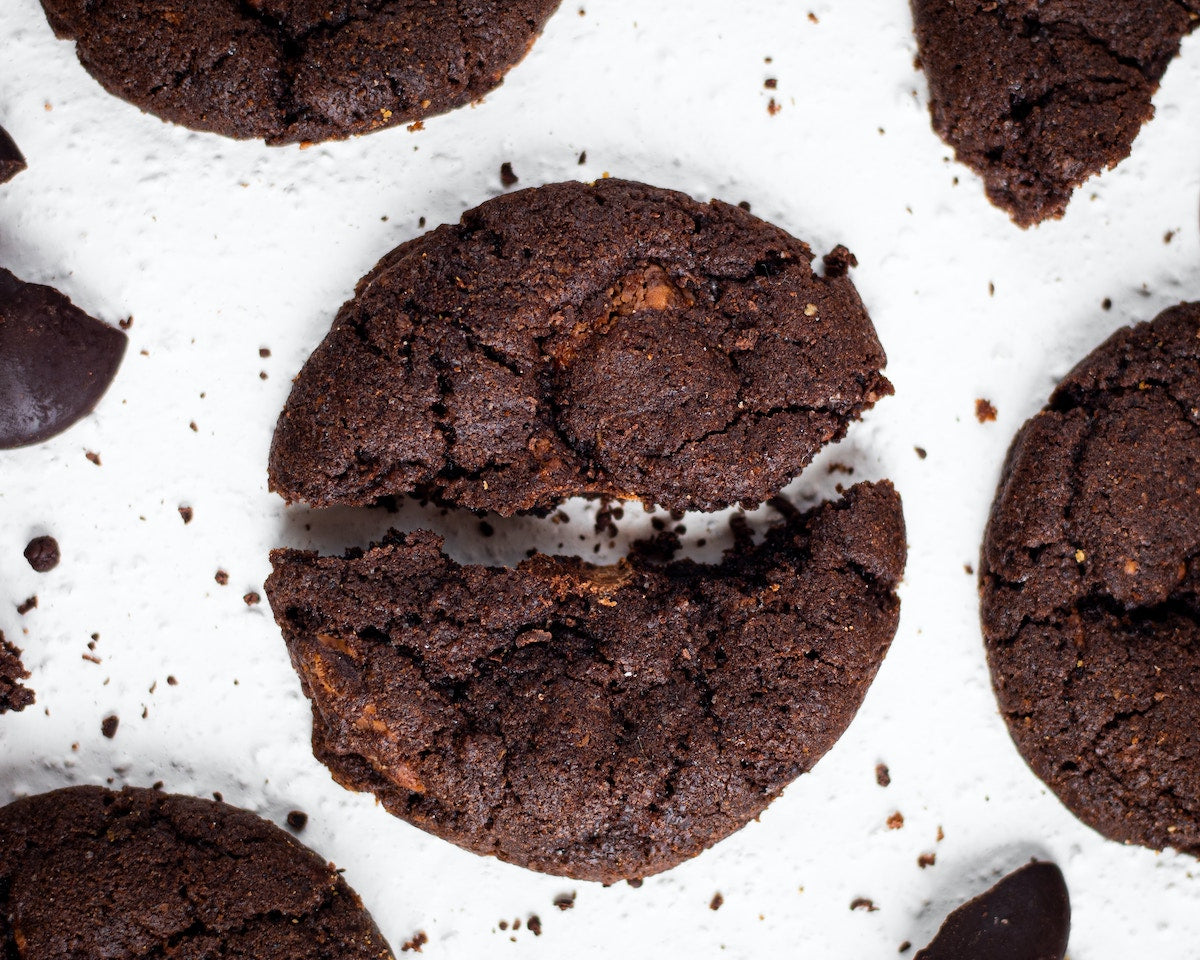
1026, 916
55, 362
11, 161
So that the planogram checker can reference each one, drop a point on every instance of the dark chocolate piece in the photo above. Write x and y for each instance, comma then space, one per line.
290, 71
603, 723
608, 339
1038, 95
1026, 916
1090, 585
42, 554
88, 873
11, 160
13, 696
55, 361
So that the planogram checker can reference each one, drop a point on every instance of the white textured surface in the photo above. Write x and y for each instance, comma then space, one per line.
219, 248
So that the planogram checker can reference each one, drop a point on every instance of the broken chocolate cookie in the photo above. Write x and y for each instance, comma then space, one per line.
602, 723
610, 339
88, 873
1090, 586
1038, 95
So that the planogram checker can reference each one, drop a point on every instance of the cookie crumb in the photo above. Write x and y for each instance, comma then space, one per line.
895, 821
1106, 303
813, 18
582, 157
926, 860
922, 453
905, 947
93, 456
883, 776
264, 352
108, 726
507, 177
534, 923
171, 681
29, 604
187, 513
126, 323
221, 577
42, 553
1168, 236
565, 901
716, 902
771, 83
984, 411
251, 599
419, 939
862, 903
297, 820
773, 107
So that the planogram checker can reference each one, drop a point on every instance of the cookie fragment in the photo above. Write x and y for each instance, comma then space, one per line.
610, 339
602, 723
87, 872
296, 71
1036, 96
55, 362
1026, 916
11, 160
1090, 586
13, 696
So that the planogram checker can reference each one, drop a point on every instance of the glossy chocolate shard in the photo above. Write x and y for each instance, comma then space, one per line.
11, 161
1026, 916
55, 361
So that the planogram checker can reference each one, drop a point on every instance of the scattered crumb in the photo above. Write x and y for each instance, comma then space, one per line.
1106, 303
905, 947
883, 776
187, 513
895, 821
264, 352
218, 797
922, 453
984, 411
635, 883
862, 903
503, 924
926, 860
126, 323
507, 177
968, 570
171, 681
773, 107
262, 374
940, 835
419, 939
716, 902
745, 205
42, 553
297, 820
221, 577
534, 923
991, 289
413, 128
1168, 236
582, 157
565, 901
108, 726
813, 18
93, 456
421, 223
771, 83
251, 599
192, 426
29, 604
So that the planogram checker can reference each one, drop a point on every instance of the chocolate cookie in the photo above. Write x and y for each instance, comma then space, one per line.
1026, 916
55, 361
611, 339
1038, 95
1090, 584
602, 723
11, 161
289, 71
88, 873
13, 696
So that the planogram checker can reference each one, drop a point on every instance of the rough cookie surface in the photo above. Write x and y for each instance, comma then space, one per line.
13, 696
1038, 95
611, 339
290, 71
596, 722
86, 872
1090, 584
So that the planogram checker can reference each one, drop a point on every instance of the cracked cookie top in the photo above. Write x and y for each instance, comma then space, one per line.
290, 71
1090, 585
86, 872
602, 723
576, 339
1038, 95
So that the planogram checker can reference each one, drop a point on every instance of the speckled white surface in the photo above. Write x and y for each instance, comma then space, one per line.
218, 248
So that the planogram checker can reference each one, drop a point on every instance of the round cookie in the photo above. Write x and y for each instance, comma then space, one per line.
291, 71
1090, 586
602, 723
86, 872
573, 339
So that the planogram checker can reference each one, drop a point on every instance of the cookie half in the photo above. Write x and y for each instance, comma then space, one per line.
290, 71
86, 872
576, 339
1090, 585
1038, 95
602, 723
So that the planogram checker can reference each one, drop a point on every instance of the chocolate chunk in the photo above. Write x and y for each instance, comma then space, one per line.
13, 696
1026, 916
571, 339
603, 723
88, 873
11, 161
42, 554
1037, 97
55, 362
